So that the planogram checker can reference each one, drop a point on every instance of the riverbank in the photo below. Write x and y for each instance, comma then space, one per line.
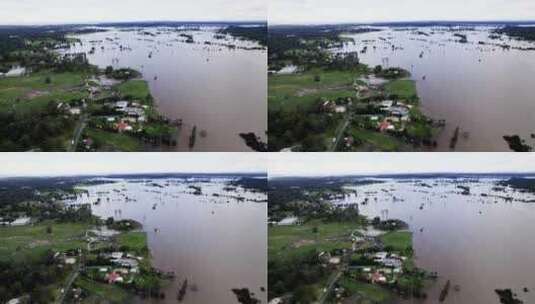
324, 261
358, 109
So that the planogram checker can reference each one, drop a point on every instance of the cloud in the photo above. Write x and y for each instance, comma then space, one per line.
325, 164
78, 11
338, 11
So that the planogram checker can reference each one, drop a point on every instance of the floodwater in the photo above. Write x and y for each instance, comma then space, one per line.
480, 243
484, 90
215, 242
219, 89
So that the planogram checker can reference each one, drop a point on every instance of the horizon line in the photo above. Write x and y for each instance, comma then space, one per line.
459, 21
399, 174
102, 22
129, 173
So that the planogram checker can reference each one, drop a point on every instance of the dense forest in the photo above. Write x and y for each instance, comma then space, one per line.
255, 33
518, 32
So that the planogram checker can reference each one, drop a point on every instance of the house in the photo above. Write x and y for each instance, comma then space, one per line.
387, 103
276, 301
340, 109
123, 126
335, 260
117, 255
114, 278
377, 277
75, 111
21, 221
121, 105
292, 220
399, 111
384, 126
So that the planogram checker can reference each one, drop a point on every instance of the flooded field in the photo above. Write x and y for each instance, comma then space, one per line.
475, 83
473, 231
210, 81
209, 231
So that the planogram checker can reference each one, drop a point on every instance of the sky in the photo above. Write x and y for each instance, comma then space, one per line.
65, 164
332, 164
15, 12
348, 11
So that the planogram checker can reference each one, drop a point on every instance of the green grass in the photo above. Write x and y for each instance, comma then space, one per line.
301, 89
30, 242
404, 89
103, 293
136, 89
398, 240
287, 241
110, 141
135, 241
376, 141
370, 292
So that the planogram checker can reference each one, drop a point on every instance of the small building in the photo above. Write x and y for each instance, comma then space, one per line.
291, 220
75, 111
70, 261
335, 260
21, 221
340, 109
121, 105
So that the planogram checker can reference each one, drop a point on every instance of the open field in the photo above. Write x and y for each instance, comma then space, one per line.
102, 293
30, 242
287, 241
135, 89
304, 89
32, 93
110, 141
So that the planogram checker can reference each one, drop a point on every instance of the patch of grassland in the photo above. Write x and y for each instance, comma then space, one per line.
404, 89
303, 89
136, 241
28, 93
135, 89
397, 240
103, 293
287, 241
371, 293
376, 141
30, 242
109, 141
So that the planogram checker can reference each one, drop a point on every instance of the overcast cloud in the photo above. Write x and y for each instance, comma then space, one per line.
340, 11
328, 164
81, 11
58, 164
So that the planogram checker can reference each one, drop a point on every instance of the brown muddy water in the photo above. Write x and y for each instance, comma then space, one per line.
220, 90
215, 242
484, 90
479, 243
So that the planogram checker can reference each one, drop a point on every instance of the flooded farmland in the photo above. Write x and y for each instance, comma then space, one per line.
208, 230
474, 79
214, 84
475, 232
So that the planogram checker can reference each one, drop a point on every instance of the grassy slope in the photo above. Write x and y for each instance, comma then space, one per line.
285, 241
23, 242
110, 141
404, 89
63, 87
398, 240
103, 293
135, 240
372, 293
137, 89
289, 91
